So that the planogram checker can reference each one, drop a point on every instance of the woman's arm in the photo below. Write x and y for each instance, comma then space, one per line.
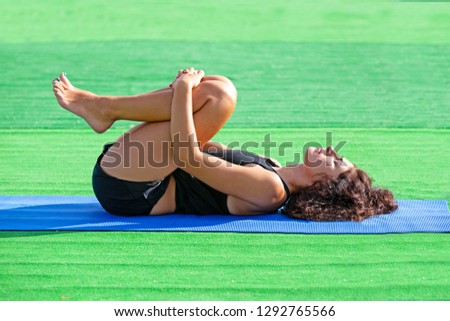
182, 129
214, 146
252, 184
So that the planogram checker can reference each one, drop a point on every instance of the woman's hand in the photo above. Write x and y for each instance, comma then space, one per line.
189, 77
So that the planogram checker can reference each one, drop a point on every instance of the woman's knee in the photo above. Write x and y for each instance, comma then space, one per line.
220, 89
230, 89
223, 79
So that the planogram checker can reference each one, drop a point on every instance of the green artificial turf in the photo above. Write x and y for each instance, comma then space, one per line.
223, 266
279, 84
373, 73
394, 158
376, 21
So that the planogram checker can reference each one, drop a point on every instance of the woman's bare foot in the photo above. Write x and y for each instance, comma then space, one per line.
82, 103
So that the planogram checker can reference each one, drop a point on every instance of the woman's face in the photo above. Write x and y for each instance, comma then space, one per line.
319, 161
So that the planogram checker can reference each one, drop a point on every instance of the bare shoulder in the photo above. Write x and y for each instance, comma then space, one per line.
238, 205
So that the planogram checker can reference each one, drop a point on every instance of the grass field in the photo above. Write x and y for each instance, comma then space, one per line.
375, 74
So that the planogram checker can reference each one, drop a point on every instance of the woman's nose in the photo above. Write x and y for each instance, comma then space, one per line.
331, 152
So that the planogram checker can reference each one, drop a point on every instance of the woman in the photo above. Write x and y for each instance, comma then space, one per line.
167, 164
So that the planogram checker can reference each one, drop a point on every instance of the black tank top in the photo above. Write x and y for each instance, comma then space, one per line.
195, 197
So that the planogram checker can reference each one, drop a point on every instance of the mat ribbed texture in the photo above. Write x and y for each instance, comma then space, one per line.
83, 213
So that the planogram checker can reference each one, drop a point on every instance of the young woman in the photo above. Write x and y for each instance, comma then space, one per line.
167, 164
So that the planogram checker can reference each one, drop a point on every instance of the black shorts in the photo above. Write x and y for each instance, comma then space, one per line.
122, 197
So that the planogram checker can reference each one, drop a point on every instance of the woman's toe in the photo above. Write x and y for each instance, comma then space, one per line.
63, 85
59, 86
65, 80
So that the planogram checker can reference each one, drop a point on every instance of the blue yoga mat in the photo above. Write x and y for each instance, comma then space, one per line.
83, 213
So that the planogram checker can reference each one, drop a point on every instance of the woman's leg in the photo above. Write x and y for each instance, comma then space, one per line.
100, 112
144, 153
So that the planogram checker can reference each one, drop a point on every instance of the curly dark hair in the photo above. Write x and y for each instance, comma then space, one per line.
350, 196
